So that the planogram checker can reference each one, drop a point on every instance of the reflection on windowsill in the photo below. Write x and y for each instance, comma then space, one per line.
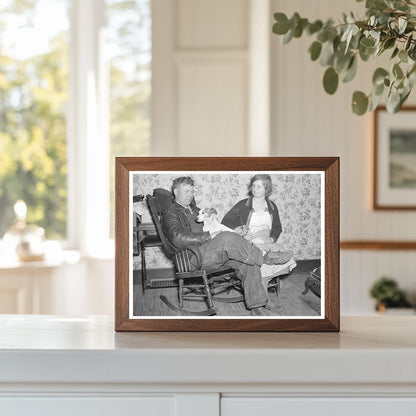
54, 256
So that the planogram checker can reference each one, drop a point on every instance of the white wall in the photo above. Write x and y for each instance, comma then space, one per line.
200, 77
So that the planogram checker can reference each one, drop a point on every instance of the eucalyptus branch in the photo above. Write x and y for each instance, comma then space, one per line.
388, 25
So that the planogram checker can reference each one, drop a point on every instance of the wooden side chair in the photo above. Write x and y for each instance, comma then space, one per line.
194, 282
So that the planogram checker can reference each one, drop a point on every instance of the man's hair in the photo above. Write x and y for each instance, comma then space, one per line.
266, 180
187, 180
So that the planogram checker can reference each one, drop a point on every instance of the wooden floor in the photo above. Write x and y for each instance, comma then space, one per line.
290, 301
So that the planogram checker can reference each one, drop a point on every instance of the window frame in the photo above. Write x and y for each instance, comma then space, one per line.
87, 133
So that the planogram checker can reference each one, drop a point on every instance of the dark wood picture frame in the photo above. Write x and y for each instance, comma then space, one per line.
376, 204
328, 165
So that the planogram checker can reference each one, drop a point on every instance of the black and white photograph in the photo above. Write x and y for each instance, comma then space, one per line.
226, 244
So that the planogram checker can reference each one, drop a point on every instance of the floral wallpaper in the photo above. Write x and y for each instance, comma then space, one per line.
297, 196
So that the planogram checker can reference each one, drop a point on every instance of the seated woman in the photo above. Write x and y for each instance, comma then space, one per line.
257, 219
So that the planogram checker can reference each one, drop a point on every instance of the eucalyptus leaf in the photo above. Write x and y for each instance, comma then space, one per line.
327, 53
367, 42
412, 70
331, 33
399, 85
330, 80
353, 31
403, 56
400, 5
338, 45
395, 27
380, 49
314, 27
341, 62
412, 52
411, 79
397, 71
408, 42
389, 43
402, 22
411, 76
376, 4
350, 73
393, 101
378, 89
315, 50
359, 103
298, 30
395, 52
350, 18
404, 96
346, 34
288, 37
281, 26
374, 102
355, 41
366, 53
379, 75
322, 35
376, 36
294, 20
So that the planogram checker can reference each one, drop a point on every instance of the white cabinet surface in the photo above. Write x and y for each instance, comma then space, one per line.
65, 365
88, 406
269, 406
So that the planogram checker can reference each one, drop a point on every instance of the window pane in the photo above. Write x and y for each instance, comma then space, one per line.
129, 45
34, 36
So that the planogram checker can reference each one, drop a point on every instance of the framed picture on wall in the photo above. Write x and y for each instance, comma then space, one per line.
227, 244
394, 179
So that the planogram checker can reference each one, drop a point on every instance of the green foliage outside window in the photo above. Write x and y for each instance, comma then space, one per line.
33, 98
34, 102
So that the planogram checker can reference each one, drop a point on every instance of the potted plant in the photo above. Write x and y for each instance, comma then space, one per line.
387, 294
389, 27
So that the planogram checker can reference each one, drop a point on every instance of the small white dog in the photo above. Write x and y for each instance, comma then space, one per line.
209, 217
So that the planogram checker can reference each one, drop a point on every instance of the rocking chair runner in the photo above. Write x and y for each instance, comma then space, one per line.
194, 283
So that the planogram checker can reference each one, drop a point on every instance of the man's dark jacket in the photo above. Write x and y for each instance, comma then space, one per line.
177, 227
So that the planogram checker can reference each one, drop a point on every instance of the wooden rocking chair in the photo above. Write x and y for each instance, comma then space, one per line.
194, 282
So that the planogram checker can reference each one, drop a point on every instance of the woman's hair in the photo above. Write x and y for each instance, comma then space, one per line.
266, 180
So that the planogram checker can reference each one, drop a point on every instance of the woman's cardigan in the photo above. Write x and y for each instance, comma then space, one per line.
240, 214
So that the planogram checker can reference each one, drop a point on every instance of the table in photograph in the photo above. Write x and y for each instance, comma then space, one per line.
61, 365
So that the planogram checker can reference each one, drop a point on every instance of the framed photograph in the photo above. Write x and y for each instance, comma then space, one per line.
394, 181
227, 244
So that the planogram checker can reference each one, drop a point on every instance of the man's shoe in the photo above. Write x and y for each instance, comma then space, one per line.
257, 311
277, 257
266, 310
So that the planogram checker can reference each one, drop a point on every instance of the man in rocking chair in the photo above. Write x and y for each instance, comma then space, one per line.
224, 249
